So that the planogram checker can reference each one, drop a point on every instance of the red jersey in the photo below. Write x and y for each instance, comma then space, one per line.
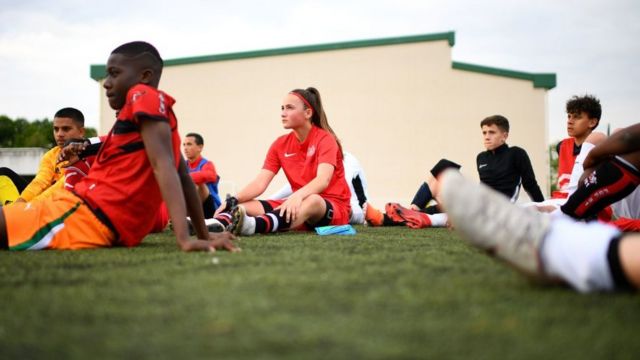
300, 161
566, 158
121, 184
203, 175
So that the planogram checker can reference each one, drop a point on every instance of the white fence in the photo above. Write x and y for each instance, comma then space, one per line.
24, 161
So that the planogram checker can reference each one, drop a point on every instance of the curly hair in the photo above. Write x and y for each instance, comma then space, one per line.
588, 104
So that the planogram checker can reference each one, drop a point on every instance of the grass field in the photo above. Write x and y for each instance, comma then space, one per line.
384, 293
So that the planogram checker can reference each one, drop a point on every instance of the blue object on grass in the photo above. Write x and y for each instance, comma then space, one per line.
336, 230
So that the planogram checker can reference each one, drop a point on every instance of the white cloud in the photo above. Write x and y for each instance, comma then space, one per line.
46, 47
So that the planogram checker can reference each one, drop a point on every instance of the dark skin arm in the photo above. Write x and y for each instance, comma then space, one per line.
620, 143
156, 136
625, 143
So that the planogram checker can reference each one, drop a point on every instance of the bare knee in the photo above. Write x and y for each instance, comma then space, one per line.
313, 208
629, 255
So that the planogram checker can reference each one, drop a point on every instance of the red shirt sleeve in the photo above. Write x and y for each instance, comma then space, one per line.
147, 102
272, 161
328, 150
205, 175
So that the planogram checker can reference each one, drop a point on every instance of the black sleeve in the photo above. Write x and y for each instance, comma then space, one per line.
558, 147
529, 182
478, 157
359, 189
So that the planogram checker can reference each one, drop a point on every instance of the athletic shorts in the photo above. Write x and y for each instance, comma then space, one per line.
610, 182
335, 214
62, 221
208, 207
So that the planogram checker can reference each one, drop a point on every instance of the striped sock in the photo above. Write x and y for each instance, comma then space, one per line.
224, 218
271, 222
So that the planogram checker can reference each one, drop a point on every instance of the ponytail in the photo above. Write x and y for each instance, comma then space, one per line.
311, 99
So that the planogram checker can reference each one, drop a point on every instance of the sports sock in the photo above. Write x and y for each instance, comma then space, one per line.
270, 222
438, 220
224, 218
248, 225
357, 214
423, 196
577, 253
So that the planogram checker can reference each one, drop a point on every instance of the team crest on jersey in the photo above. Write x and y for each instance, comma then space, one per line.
136, 95
311, 151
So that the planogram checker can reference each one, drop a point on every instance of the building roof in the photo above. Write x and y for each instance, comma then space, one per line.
540, 80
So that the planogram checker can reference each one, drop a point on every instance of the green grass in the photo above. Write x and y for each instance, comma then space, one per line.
384, 293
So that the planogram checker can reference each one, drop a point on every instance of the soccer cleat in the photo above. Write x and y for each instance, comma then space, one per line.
373, 216
391, 209
241, 224
413, 219
238, 214
214, 225
489, 221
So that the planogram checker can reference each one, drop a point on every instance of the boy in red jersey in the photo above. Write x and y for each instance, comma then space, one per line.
583, 116
611, 174
138, 165
311, 158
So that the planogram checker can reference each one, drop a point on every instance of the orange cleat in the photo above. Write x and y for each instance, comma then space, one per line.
413, 219
373, 216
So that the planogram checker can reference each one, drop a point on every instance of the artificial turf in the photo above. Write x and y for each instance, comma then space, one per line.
383, 293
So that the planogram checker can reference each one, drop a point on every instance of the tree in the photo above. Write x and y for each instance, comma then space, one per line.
23, 133
553, 165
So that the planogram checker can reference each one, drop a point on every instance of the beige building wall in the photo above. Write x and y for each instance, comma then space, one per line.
397, 108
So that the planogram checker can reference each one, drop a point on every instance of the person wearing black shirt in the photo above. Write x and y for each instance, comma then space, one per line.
505, 168
500, 167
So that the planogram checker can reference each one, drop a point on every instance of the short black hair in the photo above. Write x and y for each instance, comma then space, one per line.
198, 137
72, 113
497, 120
588, 104
141, 48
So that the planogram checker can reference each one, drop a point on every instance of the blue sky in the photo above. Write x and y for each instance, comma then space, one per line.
46, 47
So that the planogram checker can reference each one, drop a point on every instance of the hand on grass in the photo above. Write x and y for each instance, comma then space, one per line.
216, 241
222, 241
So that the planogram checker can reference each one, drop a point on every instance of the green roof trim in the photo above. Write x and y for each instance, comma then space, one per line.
547, 81
98, 72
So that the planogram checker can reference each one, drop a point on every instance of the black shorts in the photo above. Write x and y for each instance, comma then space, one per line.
208, 207
610, 182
